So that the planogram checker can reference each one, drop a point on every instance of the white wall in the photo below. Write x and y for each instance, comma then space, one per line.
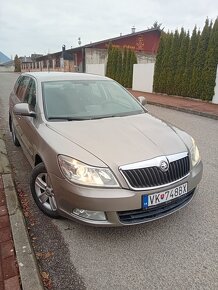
215, 97
143, 75
95, 56
97, 69
7, 68
145, 58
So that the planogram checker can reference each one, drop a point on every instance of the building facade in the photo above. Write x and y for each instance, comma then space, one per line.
145, 44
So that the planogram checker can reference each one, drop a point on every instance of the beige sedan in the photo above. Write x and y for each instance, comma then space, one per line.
97, 155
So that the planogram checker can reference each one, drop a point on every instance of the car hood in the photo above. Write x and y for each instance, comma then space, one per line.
122, 140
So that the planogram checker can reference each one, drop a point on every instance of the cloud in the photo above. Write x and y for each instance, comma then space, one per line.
41, 26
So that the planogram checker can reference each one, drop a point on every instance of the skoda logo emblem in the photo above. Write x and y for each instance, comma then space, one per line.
164, 166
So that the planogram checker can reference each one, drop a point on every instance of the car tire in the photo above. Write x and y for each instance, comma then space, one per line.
14, 137
42, 191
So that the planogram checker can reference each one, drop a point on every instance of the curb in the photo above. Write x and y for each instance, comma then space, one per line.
190, 111
28, 269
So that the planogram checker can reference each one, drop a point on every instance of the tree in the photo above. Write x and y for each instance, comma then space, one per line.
124, 66
118, 76
133, 60
181, 63
210, 65
165, 63
159, 63
114, 62
173, 63
120, 65
127, 68
193, 43
156, 25
196, 84
17, 64
185, 66
109, 61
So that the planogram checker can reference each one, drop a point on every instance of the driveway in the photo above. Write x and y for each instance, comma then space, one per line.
177, 252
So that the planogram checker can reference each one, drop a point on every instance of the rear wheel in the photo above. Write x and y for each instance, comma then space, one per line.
42, 191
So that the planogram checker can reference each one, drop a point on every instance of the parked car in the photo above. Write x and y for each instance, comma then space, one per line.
97, 155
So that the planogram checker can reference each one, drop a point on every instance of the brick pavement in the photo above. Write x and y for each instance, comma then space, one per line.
9, 275
188, 105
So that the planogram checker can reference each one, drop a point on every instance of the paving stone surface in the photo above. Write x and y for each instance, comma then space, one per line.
9, 275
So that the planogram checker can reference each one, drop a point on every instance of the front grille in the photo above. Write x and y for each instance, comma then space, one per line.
141, 215
153, 176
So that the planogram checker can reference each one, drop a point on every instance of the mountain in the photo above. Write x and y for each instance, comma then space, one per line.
3, 58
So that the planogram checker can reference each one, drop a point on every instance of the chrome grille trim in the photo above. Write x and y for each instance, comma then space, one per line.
154, 162
148, 175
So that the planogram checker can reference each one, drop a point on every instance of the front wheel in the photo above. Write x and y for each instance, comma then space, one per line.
42, 191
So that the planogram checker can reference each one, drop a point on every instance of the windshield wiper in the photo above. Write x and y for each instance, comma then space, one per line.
103, 117
80, 118
68, 118
84, 118
118, 115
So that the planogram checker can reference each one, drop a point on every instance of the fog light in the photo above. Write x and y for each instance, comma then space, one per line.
89, 214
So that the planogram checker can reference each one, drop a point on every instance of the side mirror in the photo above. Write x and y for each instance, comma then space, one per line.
23, 109
142, 100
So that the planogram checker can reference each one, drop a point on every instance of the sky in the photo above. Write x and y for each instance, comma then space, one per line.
43, 26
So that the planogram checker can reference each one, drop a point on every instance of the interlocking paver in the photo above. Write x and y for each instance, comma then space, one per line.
7, 249
12, 283
4, 221
1, 285
5, 234
9, 267
3, 210
189, 105
9, 276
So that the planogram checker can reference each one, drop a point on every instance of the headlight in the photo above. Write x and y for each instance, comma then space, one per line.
84, 174
195, 155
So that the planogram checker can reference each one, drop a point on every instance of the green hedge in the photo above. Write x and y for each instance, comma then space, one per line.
120, 65
185, 65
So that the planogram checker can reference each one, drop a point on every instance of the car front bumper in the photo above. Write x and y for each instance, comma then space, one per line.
119, 203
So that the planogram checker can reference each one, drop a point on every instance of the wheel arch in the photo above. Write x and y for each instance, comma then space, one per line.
38, 159
9, 121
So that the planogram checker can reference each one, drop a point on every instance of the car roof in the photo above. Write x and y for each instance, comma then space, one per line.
56, 76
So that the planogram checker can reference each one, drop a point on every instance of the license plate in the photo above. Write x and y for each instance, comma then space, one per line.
158, 198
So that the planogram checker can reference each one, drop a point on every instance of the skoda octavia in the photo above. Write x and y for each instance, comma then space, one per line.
97, 155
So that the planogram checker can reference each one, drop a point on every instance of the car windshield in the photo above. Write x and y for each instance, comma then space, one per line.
87, 99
